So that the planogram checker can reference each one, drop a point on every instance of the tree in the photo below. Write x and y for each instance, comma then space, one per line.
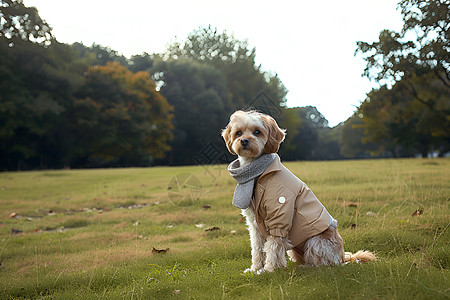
312, 139
37, 83
418, 72
376, 112
37, 86
199, 96
393, 119
430, 20
351, 138
120, 118
98, 55
205, 79
245, 80
18, 22
304, 141
142, 62
207, 44
394, 57
291, 121
329, 143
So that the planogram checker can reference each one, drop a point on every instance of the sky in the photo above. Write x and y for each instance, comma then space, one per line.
309, 44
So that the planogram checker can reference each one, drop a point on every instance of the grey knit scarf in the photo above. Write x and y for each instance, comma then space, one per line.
245, 177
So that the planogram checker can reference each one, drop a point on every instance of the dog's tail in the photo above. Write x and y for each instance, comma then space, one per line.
360, 256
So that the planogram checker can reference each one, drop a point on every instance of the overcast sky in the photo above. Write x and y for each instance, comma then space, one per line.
309, 44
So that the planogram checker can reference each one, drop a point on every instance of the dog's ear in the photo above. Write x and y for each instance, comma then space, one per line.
226, 134
276, 134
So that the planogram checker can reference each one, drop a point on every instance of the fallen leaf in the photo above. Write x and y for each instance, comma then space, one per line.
160, 251
417, 213
212, 228
13, 215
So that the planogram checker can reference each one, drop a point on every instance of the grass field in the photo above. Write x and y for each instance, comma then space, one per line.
89, 234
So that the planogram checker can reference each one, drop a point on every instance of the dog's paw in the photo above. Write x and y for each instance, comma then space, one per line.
254, 270
269, 269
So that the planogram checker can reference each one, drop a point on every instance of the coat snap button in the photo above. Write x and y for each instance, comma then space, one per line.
281, 199
260, 190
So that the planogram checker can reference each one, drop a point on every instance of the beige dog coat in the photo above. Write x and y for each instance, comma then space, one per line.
285, 207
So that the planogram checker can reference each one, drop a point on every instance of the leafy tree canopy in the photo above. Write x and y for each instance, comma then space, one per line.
207, 44
410, 111
245, 80
422, 45
20, 22
122, 118
310, 137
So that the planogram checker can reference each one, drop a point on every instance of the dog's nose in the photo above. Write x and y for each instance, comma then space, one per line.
244, 142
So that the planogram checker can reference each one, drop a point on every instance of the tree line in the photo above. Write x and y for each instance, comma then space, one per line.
410, 112
74, 106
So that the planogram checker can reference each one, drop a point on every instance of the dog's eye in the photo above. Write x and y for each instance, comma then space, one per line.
257, 132
239, 133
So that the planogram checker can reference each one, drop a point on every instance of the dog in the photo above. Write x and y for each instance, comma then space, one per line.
281, 212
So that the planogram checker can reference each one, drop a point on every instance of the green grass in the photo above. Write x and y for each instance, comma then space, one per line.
89, 234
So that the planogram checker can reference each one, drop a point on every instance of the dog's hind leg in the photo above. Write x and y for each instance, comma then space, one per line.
326, 248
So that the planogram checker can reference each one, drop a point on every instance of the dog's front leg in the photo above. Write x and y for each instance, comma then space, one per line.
256, 241
275, 250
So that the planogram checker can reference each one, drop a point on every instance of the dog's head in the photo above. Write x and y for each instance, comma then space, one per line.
251, 134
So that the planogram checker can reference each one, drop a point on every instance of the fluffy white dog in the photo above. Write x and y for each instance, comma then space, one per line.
281, 212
